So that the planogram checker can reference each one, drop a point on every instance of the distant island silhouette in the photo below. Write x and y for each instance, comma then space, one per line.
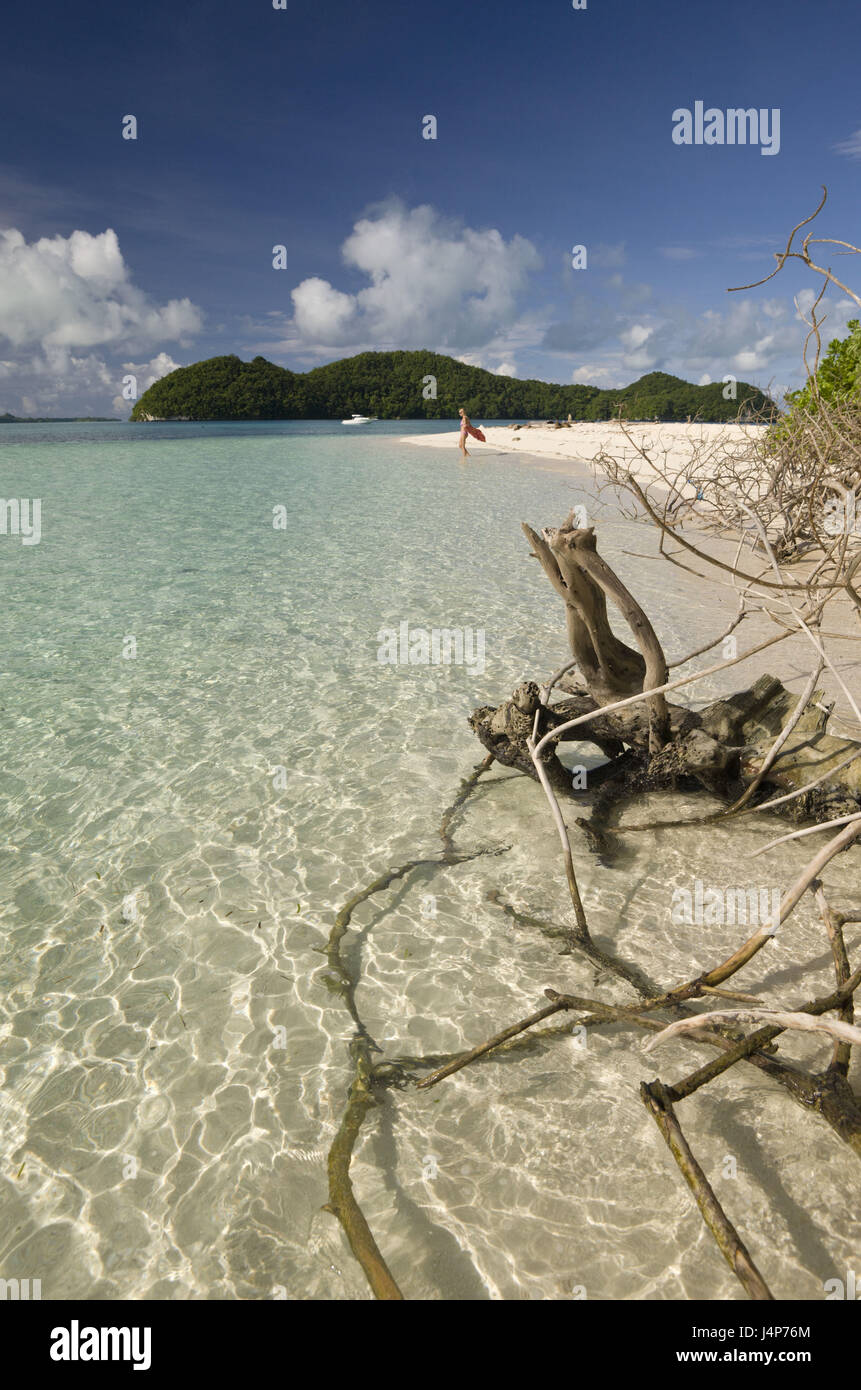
424, 386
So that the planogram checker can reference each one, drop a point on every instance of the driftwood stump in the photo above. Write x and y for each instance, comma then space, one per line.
655, 744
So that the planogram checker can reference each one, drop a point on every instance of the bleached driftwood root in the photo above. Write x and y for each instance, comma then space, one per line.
675, 746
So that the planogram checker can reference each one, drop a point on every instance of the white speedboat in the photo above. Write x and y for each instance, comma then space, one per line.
360, 420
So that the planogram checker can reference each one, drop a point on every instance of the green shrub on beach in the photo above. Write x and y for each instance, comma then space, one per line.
838, 376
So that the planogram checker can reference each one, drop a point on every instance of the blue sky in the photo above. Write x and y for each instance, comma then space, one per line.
302, 127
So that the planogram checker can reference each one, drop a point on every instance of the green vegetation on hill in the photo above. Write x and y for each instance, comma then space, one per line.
391, 385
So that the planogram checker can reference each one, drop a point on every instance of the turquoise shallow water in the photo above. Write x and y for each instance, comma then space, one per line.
182, 816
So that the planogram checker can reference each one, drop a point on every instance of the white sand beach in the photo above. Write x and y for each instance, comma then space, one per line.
680, 451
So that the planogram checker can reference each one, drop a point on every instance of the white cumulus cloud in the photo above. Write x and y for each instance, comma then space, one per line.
61, 298
76, 292
433, 283
145, 374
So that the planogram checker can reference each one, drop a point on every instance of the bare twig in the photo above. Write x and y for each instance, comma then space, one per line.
841, 1056
808, 830
779, 1018
736, 1254
771, 756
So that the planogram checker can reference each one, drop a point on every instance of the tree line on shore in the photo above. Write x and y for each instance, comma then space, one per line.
423, 386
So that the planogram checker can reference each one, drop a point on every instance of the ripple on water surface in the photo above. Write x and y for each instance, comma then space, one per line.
180, 825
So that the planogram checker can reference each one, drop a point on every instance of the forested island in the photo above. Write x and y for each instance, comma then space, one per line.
421, 386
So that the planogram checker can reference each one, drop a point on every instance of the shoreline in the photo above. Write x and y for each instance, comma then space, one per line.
680, 448
548, 449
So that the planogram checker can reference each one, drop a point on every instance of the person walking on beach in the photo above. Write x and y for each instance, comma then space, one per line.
467, 427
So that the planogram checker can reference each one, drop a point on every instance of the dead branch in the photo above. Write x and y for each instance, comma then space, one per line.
778, 1018
370, 1077
729, 1243
759, 1039
842, 1051
771, 755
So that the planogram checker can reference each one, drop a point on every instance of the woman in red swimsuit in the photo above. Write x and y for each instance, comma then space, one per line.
467, 427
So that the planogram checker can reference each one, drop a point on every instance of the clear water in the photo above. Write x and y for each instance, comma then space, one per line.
173, 1066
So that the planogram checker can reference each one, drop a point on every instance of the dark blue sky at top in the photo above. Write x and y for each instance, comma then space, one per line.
259, 127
